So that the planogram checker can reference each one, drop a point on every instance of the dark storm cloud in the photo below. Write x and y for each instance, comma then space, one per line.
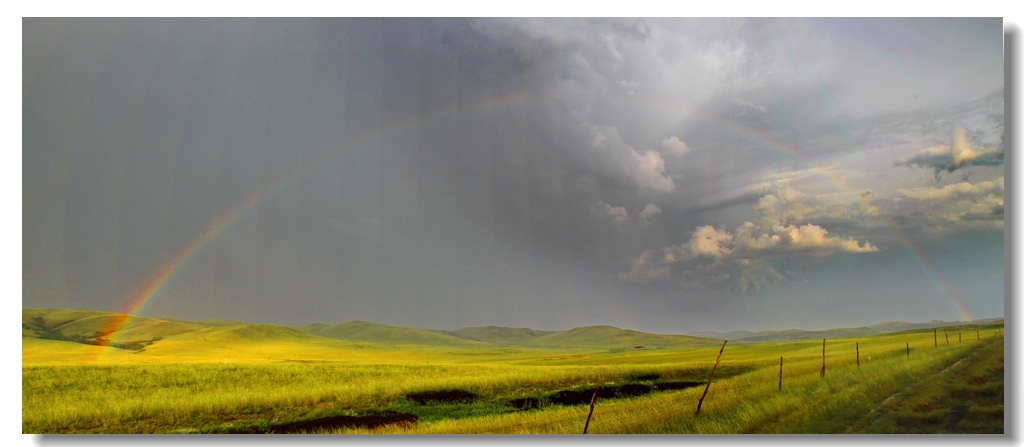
204, 126
739, 200
451, 172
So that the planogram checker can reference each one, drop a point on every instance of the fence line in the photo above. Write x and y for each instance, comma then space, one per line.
569, 419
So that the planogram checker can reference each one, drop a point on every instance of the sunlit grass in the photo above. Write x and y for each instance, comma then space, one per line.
206, 379
749, 403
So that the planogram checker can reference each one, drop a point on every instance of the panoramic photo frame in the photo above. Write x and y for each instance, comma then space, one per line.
512, 226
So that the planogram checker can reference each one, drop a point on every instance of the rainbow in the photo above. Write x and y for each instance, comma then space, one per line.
841, 127
822, 171
156, 281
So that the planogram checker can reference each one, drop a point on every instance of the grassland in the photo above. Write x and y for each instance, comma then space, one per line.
223, 377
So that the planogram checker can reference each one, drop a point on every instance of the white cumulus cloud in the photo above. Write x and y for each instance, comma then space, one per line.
962, 189
649, 211
617, 213
651, 172
675, 146
646, 169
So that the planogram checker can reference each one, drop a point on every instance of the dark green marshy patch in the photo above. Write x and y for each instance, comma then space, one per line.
449, 404
527, 403
583, 396
442, 397
371, 420
676, 385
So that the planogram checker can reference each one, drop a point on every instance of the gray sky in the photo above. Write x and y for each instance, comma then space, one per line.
655, 174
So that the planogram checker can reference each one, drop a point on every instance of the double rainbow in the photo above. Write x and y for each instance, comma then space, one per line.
153, 284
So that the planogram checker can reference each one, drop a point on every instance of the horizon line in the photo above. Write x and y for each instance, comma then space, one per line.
973, 321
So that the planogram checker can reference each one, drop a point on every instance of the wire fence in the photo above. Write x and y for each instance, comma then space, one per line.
572, 420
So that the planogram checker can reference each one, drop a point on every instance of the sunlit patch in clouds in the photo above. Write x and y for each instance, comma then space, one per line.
649, 211
744, 256
957, 155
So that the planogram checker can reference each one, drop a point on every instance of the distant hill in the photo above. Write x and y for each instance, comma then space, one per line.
364, 331
84, 326
256, 333
898, 326
731, 335
800, 334
610, 337
602, 337
499, 335
212, 323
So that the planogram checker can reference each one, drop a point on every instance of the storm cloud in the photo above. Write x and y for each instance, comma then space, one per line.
652, 173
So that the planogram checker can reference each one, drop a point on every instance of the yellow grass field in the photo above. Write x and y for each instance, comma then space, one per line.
239, 378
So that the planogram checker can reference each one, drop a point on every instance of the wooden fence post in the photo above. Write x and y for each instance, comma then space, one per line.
592, 400
959, 337
978, 333
858, 354
701, 401
823, 357
908, 349
780, 373
936, 338
947, 335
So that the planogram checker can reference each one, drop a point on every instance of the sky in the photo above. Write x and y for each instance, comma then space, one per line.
663, 175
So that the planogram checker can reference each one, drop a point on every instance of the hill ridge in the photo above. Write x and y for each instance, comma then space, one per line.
81, 326
839, 332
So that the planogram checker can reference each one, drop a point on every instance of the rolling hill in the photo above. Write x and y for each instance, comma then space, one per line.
611, 337
211, 323
83, 326
499, 335
800, 334
364, 331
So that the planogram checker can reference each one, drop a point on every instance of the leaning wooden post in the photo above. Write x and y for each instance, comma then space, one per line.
947, 335
780, 373
858, 354
908, 349
592, 400
959, 337
823, 357
978, 333
701, 401
935, 337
